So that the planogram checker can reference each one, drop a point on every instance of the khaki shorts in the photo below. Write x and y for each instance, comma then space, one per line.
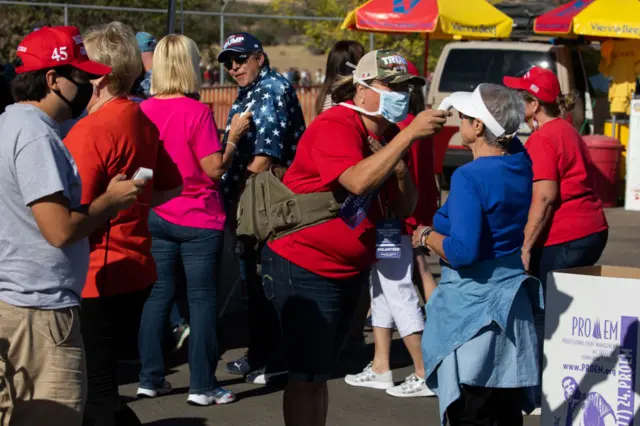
43, 378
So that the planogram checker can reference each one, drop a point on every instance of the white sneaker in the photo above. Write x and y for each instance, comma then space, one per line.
370, 379
217, 396
412, 387
152, 393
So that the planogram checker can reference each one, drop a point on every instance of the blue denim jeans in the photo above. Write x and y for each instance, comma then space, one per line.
315, 314
199, 251
573, 254
264, 329
175, 319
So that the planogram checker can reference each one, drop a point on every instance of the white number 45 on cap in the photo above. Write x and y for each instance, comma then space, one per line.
60, 54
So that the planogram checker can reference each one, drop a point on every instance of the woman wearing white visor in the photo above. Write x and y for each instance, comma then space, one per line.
479, 342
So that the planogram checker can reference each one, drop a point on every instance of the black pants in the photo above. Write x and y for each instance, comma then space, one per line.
486, 407
109, 327
572, 254
264, 327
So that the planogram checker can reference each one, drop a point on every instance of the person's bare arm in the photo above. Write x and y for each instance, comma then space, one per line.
62, 227
435, 242
260, 163
428, 282
545, 194
217, 164
408, 193
374, 170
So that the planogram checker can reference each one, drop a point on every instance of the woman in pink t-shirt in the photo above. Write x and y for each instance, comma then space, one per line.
187, 231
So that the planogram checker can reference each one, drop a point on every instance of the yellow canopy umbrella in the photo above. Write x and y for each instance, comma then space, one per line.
592, 18
617, 22
441, 19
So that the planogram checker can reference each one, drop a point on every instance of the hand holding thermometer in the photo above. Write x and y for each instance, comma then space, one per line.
446, 105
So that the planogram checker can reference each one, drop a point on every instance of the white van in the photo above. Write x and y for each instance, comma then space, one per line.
463, 65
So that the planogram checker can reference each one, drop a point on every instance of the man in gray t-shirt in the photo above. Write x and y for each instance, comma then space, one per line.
44, 252
35, 164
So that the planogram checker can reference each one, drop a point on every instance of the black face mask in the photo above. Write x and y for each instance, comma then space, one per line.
80, 101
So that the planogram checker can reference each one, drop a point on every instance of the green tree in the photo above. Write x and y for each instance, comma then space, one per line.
17, 21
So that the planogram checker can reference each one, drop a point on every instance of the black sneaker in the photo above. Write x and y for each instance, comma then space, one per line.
239, 367
261, 377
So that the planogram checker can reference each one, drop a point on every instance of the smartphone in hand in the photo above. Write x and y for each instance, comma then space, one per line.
143, 173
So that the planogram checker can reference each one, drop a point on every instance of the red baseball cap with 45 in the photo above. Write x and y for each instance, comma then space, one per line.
540, 82
50, 47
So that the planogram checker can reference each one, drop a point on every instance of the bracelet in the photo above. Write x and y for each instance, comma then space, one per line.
424, 235
233, 145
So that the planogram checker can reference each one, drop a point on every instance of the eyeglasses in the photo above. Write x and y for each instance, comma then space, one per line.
240, 59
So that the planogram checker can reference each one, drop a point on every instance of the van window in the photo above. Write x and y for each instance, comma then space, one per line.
465, 69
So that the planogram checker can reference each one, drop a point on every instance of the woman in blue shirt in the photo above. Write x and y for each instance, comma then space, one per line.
479, 342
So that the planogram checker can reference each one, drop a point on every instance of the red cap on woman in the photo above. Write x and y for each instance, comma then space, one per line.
540, 82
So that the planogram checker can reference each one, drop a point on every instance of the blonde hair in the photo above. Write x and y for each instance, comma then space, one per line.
114, 44
176, 66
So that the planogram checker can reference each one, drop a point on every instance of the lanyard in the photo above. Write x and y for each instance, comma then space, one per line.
384, 208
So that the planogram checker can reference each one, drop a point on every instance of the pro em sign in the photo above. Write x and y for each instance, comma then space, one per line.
591, 347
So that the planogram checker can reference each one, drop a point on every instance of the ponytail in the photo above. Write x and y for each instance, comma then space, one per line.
561, 106
343, 90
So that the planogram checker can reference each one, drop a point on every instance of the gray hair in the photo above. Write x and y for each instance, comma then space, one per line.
507, 107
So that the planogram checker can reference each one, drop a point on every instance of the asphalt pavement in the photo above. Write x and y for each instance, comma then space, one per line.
258, 405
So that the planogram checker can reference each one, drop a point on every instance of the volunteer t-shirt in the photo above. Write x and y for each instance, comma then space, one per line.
335, 141
560, 154
34, 164
119, 139
189, 132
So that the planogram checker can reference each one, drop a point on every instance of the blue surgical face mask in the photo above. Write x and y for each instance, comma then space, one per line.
394, 106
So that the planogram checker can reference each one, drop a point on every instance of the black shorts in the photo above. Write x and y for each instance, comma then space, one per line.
315, 314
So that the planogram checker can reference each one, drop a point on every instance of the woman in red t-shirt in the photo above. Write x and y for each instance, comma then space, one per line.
314, 276
567, 227
116, 138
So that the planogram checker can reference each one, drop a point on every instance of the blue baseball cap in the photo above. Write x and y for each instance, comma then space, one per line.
146, 42
239, 43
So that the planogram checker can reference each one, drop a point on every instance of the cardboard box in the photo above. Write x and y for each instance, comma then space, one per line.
632, 190
591, 347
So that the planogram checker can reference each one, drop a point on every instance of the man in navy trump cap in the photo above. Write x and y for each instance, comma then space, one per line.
276, 126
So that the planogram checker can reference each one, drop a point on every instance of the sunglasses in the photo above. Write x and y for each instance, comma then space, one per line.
240, 59
398, 87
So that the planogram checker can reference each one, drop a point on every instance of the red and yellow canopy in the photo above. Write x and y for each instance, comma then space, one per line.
592, 18
457, 19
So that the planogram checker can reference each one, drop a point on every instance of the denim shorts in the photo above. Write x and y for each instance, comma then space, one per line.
315, 314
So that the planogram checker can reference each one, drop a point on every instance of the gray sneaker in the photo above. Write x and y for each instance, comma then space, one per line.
412, 387
370, 379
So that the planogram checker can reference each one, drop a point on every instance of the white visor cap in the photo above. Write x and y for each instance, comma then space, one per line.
472, 105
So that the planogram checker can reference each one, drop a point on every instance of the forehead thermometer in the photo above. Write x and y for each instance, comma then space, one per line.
446, 105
